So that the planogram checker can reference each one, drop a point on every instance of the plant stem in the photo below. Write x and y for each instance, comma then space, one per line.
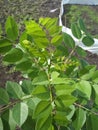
15, 102
69, 56
58, 127
80, 106
9, 105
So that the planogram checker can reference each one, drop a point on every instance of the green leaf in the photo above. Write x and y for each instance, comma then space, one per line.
12, 123
80, 119
68, 40
81, 51
51, 23
76, 31
42, 92
60, 118
59, 80
29, 124
14, 90
5, 49
88, 72
14, 55
65, 100
54, 75
70, 115
81, 25
1, 30
64, 89
1, 124
44, 123
48, 22
41, 42
95, 76
11, 28
32, 102
37, 33
20, 113
4, 97
84, 63
42, 108
44, 21
88, 41
95, 86
55, 30
24, 65
61, 50
85, 88
92, 122
5, 119
42, 79
34, 29
5, 45
27, 86
56, 40
24, 36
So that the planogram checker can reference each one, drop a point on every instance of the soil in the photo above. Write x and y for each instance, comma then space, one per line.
30, 9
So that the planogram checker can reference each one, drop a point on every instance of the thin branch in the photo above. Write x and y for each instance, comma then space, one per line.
80, 106
71, 53
9, 105
7, 38
3, 108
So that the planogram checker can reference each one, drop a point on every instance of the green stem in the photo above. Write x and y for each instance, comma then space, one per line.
80, 106
9, 105
71, 53
49, 78
58, 127
7, 38
14, 103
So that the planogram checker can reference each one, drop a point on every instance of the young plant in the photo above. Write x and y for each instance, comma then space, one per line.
62, 89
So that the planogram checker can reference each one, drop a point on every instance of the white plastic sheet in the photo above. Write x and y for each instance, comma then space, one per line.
94, 48
85, 2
